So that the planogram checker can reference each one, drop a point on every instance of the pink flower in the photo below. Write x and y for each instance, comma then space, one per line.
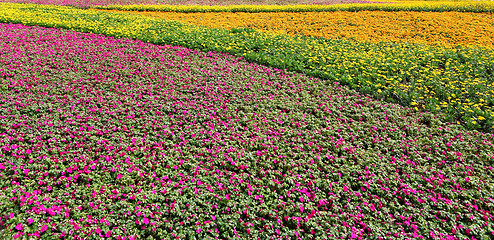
108, 234
19, 227
145, 220
198, 230
43, 228
30, 220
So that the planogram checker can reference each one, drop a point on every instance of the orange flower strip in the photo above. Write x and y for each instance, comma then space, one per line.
438, 28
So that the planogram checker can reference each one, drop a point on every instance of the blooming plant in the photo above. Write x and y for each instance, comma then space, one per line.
456, 82
428, 6
434, 28
92, 3
122, 139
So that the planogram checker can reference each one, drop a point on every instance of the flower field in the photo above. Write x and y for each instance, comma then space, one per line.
93, 3
450, 28
428, 6
455, 82
125, 126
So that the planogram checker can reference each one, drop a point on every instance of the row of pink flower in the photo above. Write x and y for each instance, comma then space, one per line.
89, 3
118, 138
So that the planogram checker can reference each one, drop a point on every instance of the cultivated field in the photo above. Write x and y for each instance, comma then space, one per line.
246, 120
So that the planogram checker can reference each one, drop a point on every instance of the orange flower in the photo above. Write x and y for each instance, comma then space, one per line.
436, 28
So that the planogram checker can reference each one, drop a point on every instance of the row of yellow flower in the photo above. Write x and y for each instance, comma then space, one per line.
436, 6
441, 28
454, 81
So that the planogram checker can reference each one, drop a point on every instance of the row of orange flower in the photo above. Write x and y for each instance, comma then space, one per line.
439, 28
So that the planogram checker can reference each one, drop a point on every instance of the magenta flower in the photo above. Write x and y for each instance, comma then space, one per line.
196, 134
19, 227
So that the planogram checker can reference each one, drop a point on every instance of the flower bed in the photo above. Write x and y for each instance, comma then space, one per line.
106, 137
457, 82
92, 3
428, 6
435, 28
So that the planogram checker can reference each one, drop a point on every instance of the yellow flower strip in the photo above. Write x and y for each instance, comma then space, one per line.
436, 6
438, 28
